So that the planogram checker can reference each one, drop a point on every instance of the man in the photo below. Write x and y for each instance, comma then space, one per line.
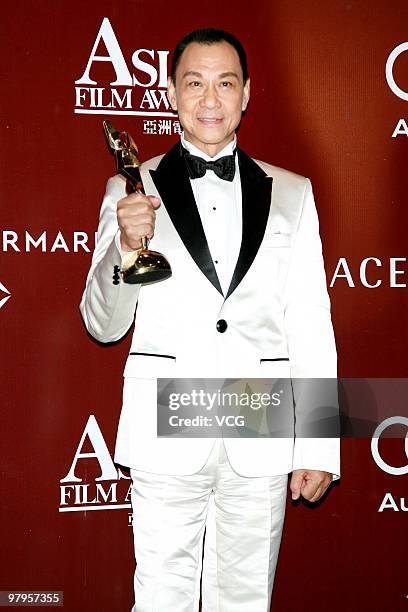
247, 298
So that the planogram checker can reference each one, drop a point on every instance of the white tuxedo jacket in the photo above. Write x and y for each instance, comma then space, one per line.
277, 312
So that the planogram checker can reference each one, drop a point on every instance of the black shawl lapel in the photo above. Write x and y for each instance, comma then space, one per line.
173, 184
256, 200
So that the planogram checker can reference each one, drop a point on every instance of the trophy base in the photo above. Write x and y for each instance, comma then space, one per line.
134, 276
145, 266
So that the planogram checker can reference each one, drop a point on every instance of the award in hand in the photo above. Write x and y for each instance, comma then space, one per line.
149, 265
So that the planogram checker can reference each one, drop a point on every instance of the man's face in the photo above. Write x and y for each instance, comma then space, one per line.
209, 94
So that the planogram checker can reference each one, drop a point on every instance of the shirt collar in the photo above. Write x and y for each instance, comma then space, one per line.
227, 150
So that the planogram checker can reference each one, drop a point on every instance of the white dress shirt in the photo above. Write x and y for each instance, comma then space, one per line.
219, 203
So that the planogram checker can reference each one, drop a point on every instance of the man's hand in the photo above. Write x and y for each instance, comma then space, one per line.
311, 484
136, 218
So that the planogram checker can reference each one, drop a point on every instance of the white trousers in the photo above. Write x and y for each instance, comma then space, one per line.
242, 518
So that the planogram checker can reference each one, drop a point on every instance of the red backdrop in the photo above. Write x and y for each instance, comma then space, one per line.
320, 106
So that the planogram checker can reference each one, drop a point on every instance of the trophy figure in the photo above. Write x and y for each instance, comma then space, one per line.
148, 266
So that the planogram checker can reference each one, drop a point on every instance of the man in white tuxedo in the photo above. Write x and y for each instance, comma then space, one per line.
247, 298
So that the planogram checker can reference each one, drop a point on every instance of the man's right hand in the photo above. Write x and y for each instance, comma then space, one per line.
136, 218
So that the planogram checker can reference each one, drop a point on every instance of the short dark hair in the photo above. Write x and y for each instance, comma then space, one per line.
209, 36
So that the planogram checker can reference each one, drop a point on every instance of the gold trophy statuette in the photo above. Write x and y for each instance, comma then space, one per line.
146, 266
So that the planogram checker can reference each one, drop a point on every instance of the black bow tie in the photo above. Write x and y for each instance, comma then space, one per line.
224, 167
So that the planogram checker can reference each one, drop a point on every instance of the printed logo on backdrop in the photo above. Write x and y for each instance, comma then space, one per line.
47, 242
372, 272
389, 501
93, 482
371, 409
137, 87
398, 54
4, 295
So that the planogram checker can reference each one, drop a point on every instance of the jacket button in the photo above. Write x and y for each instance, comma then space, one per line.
221, 326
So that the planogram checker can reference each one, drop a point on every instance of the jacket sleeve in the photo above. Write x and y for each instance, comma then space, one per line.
108, 309
311, 344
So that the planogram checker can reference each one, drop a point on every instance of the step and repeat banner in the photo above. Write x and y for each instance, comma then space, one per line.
329, 100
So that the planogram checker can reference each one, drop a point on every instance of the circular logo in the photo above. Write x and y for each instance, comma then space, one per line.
395, 420
389, 67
